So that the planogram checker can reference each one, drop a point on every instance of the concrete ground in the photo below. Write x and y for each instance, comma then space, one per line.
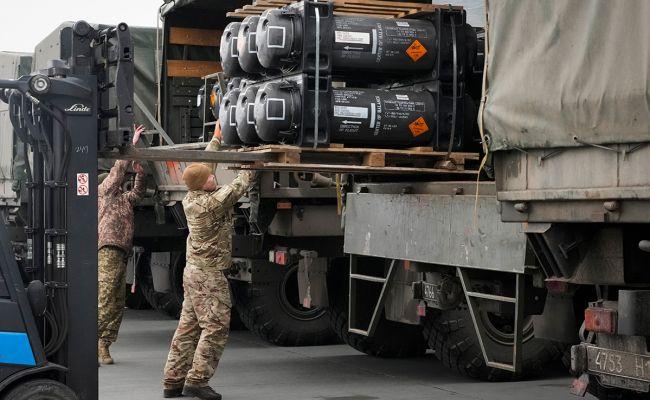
252, 369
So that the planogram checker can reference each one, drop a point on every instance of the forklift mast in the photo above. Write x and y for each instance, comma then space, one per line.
81, 103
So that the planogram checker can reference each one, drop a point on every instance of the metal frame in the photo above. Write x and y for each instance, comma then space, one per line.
374, 320
206, 96
472, 302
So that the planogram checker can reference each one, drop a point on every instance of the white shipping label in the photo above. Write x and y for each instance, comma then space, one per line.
351, 112
83, 184
352, 37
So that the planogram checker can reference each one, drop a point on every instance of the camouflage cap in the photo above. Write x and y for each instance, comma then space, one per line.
195, 176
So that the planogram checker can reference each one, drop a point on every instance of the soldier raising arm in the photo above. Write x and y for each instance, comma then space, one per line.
202, 330
115, 230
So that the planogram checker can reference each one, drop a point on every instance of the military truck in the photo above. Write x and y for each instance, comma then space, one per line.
428, 261
287, 213
569, 143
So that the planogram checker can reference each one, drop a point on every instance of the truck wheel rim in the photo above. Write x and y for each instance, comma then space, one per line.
500, 329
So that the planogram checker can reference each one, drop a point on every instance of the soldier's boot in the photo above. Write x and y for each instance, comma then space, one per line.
201, 392
172, 393
104, 354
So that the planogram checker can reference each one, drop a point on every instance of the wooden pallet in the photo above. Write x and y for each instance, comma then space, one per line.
337, 158
368, 8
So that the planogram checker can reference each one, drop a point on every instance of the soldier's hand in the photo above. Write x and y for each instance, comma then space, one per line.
137, 131
217, 131
137, 167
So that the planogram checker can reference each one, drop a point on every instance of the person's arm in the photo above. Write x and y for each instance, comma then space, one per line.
115, 177
214, 145
137, 192
228, 195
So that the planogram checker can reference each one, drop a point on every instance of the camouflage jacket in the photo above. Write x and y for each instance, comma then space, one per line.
115, 211
209, 220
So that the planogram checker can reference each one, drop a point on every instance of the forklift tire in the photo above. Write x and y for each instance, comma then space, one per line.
452, 336
390, 340
270, 310
40, 389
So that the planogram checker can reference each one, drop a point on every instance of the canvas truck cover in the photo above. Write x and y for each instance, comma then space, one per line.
12, 164
145, 68
209, 5
565, 72
145, 72
144, 60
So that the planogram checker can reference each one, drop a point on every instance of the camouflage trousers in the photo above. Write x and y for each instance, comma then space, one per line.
111, 293
202, 331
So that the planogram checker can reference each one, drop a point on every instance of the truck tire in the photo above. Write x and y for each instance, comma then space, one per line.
136, 301
40, 389
391, 339
167, 303
271, 310
452, 336
170, 303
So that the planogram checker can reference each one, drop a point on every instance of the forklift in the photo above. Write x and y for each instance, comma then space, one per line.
80, 104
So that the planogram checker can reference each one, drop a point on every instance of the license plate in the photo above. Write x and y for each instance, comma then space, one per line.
618, 363
430, 292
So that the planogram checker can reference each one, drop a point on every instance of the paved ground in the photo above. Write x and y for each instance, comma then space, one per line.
251, 369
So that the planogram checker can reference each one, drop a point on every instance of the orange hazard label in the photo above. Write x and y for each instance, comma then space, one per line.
416, 50
418, 127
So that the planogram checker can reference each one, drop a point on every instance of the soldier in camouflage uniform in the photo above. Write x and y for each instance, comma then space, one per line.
115, 239
202, 331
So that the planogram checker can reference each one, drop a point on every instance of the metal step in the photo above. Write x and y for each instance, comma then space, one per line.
472, 303
374, 320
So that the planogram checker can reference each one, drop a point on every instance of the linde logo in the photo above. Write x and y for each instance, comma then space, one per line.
78, 108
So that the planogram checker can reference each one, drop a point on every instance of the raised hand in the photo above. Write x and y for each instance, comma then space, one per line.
137, 131
217, 131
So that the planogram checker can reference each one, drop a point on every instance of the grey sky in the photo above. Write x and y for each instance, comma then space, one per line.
27, 22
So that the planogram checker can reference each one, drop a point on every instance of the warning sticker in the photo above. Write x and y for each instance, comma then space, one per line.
418, 127
83, 188
416, 50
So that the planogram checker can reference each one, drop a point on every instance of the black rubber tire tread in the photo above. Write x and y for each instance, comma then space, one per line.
171, 305
236, 323
390, 340
40, 389
452, 336
261, 313
167, 303
136, 301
